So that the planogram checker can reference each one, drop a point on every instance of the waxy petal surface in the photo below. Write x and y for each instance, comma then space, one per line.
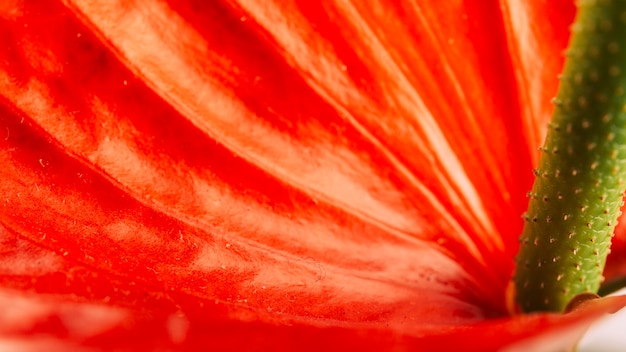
290, 172
107, 312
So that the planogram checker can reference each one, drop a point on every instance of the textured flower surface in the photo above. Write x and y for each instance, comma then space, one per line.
288, 174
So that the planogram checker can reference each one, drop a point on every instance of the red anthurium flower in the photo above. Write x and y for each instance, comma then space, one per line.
287, 175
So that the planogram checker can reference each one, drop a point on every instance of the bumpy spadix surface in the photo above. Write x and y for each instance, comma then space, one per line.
580, 181
253, 174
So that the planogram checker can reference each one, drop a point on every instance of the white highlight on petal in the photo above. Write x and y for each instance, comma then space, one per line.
606, 335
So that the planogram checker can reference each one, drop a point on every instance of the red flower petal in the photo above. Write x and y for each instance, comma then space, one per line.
169, 169
616, 262
92, 308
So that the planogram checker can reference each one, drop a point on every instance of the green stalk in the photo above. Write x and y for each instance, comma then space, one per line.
575, 200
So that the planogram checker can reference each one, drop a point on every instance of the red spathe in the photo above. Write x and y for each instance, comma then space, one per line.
289, 175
